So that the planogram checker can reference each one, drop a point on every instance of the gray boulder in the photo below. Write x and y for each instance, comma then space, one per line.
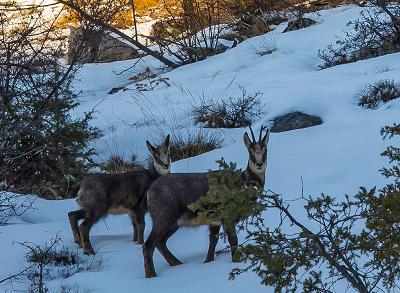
201, 53
298, 24
98, 47
294, 120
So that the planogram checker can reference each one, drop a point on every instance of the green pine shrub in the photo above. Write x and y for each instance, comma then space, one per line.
228, 200
44, 147
354, 240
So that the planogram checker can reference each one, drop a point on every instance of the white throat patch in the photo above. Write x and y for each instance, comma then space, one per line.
160, 170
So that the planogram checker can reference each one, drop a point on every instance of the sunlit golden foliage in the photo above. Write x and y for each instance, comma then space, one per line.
122, 19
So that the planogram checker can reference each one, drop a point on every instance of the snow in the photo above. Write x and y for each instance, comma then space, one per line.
335, 158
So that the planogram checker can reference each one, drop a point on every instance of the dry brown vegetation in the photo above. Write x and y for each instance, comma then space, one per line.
122, 16
162, 8
123, 19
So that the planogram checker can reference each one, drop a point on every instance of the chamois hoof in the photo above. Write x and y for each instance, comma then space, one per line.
209, 259
138, 241
176, 263
88, 251
151, 275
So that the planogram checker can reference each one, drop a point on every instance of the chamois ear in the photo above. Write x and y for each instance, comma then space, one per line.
246, 140
151, 148
167, 141
265, 139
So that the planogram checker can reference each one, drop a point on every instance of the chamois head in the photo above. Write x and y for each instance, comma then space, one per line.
161, 156
257, 151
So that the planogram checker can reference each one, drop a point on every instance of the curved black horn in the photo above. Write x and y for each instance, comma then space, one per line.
261, 130
252, 135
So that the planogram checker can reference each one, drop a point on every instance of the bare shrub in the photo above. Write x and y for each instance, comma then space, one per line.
152, 84
67, 288
13, 205
116, 165
381, 92
148, 80
374, 34
186, 140
51, 261
193, 144
255, 17
233, 112
191, 31
265, 46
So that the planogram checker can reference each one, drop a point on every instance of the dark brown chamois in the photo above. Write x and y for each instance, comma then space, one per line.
169, 196
103, 194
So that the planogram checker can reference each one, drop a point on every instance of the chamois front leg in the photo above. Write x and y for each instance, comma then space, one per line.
233, 241
74, 217
213, 237
134, 227
84, 230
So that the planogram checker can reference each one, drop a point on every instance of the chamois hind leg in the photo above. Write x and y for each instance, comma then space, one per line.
233, 241
162, 247
74, 217
213, 237
148, 251
84, 229
158, 236
138, 224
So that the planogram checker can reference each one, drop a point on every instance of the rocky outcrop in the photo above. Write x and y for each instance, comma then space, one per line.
97, 47
294, 120
299, 23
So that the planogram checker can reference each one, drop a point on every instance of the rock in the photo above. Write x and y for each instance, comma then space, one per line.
300, 23
229, 35
221, 48
115, 90
99, 47
320, 3
201, 53
294, 120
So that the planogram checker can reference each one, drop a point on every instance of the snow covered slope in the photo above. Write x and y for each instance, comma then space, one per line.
335, 157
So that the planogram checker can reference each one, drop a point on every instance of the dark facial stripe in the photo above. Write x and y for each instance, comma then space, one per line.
161, 163
258, 150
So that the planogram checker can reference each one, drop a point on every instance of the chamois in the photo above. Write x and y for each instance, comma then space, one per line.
169, 196
103, 194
